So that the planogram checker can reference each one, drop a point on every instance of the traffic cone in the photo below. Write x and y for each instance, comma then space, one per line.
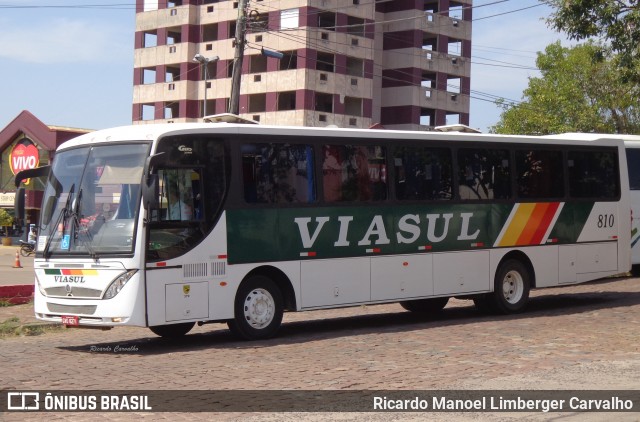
17, 263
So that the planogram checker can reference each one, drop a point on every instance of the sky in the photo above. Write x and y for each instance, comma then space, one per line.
73, 66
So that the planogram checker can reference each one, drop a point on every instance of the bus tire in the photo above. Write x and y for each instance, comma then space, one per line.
258, 309
511, 287
425, 306
172, 330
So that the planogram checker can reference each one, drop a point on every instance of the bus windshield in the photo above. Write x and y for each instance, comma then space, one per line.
92, 199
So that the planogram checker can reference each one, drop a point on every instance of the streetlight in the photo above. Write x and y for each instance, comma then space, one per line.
205, 61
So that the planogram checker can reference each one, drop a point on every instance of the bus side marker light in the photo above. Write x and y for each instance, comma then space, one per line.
161, 264
374, 250
307, 254
223, 283
477, 245
425, 248
405, 264
222, 256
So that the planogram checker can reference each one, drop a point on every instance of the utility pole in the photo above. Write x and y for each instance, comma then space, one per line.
234, 100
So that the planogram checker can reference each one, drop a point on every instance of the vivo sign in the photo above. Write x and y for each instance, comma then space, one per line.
24, 156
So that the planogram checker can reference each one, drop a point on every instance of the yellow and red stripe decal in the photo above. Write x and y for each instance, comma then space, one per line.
71, 272
529, 224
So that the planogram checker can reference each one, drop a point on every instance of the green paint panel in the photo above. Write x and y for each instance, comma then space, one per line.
571, 221
261, 235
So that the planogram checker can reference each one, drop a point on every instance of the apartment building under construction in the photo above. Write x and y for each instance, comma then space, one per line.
404, 64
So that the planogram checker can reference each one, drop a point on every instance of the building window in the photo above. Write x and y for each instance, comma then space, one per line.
150, 39
210, 32
324, 102
324, 62
353, 106
355, 67
148, 112
327, 20
258, 63
289, 19
287, 100
355, 26
257, 103
149, 76
289, 60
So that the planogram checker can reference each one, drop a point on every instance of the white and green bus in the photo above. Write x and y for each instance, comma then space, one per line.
166, 226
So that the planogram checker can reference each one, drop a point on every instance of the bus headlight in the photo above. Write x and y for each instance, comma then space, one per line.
117, 284
42, 292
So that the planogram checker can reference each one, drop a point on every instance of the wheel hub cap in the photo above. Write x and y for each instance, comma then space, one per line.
259, 308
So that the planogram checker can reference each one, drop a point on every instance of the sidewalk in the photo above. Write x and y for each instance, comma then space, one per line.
16, 282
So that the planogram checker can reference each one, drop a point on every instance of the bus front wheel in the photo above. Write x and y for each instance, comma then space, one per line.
172, 330
510, 291
258, 309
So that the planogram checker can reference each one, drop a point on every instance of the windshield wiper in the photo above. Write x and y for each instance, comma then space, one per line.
76, 222
62, 218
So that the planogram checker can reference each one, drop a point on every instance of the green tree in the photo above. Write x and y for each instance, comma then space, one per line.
614, 22
580, 90
5, 218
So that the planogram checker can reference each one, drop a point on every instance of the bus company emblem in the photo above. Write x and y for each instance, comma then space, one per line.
185, 149
68, 289
186, 289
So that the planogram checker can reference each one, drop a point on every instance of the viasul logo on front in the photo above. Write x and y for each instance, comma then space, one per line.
75, 276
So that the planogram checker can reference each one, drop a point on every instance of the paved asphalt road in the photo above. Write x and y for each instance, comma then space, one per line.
10, 276
571, 338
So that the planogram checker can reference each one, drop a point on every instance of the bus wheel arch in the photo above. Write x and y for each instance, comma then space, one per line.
281, 280
258, 306
513, 281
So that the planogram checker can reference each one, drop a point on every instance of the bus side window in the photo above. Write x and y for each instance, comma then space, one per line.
423, 173
278, 173
539, 174
354, 173
593, 174
484, 174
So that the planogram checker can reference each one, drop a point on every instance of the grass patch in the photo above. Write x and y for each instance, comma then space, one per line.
14, 327
4, 303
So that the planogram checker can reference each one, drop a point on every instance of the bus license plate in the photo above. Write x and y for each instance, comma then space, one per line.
70, 320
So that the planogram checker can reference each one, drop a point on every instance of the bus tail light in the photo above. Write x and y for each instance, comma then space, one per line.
117, 284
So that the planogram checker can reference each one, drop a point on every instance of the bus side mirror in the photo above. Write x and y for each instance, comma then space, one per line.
150, 185
150, 192
18, 204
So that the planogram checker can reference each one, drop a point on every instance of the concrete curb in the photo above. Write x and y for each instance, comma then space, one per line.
18, 294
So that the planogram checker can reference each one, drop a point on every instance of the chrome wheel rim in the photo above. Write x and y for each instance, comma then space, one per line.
259, 308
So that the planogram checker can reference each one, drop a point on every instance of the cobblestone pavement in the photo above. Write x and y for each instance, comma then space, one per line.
577, 337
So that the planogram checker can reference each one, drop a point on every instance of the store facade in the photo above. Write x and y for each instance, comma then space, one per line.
27, 143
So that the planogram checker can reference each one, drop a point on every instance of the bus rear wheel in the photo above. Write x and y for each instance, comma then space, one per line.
258, 309
510, 290
425, 306
172, 330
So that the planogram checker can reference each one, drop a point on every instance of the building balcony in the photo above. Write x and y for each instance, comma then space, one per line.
432, 61
424, 97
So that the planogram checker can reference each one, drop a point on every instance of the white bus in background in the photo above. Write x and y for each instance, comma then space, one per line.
632, 144
166, 226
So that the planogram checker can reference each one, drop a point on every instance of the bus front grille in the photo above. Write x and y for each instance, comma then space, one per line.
72, 309
77, 292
